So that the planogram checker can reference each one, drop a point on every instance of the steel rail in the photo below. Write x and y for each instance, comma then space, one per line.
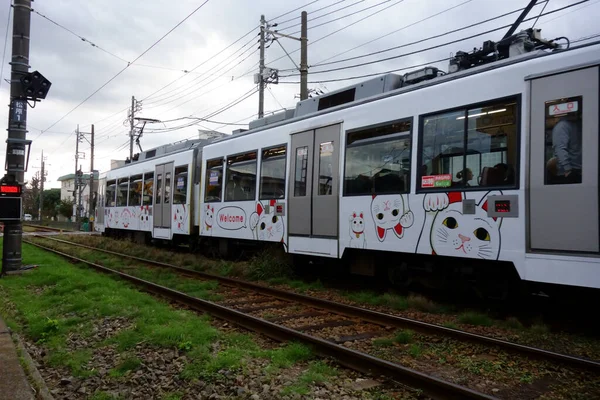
431, 386
366, 314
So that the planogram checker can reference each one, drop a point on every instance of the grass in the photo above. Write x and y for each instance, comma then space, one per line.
415, 350
383, 342
269, 264
74, 298
128, 364
318, 372
404, 337
368, 297
475, 318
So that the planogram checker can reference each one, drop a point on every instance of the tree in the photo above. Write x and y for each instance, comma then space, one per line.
65, 208
31, 194
51, 202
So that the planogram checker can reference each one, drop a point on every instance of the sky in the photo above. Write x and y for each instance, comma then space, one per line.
219, 73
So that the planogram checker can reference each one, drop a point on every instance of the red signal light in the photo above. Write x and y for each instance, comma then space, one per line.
10, 189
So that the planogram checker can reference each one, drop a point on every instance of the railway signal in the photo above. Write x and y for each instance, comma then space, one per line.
24, 86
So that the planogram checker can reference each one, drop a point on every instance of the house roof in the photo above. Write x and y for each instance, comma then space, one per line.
69, 177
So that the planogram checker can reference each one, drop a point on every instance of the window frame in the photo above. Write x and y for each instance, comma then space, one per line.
127, 192
285, 176
226, 175
187, 183
131, 180
518, 114
207, 180
144, 181
114, 198
409, 135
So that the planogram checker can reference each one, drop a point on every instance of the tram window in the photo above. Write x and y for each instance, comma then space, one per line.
241, 177
181, 185
378, 160
326, 168
111, 188
563, 141
157, 194
148, 188
301, 171
214, 180
167, 188
475, 147
135, 190
272, 173
122, 190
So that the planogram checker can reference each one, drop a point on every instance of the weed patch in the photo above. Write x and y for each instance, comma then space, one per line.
269, 264
421, 303
404, 337
475, 318
128, 364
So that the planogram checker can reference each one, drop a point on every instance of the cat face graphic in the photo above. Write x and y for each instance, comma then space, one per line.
180, 217
270, 227
208, 215
357, 224
387, 211
457, 235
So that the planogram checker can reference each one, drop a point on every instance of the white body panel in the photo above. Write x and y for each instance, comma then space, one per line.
414, 229
140, 217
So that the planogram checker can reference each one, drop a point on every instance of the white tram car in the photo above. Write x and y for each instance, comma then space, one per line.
490, 170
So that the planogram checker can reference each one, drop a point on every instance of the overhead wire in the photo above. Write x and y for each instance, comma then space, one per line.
439, 35
313, 18
279, 23
127, 66
395, 31
424, 49
347, 15
295, 9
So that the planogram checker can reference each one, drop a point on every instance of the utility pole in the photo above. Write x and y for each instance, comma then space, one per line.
17, 130
24, 86
304, 56
131, 122
42, 179
91, 191
261, 69
76, 180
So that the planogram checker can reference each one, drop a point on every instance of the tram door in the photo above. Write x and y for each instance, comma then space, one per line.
314, 183
162, 196
563, 166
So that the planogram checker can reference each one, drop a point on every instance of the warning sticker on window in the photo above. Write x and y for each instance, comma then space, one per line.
563, 108
431, 181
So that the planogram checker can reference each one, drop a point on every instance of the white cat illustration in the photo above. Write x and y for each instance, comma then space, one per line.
180, 218
357, 231
208, 218
267, 226
388, 213
449, 232
145, 218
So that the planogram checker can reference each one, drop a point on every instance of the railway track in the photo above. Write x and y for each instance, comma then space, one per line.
41, 228
314, 321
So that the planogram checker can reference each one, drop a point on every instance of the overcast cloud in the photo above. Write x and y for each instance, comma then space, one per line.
126, 28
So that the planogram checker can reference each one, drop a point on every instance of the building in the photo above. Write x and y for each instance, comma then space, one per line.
67, 186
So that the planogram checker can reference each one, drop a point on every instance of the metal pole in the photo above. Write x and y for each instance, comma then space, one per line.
261, 69
17, 129
76, 180
42, 188
303, 57
131, 128
91, 191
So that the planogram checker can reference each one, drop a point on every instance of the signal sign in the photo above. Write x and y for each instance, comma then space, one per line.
10, 189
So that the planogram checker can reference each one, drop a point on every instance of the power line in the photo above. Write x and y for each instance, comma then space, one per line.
295, 9
567, 13
341, 29
323, 15
79, 36
5, 42
543, 8
347, 15
425, 49
317, 10
127, 66
421, 40
201, 64
395, 31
